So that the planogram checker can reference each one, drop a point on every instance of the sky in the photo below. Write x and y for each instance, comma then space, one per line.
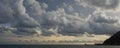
43, 18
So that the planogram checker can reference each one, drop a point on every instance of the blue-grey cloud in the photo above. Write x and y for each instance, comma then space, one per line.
103, 19
25, 31
106, 4
43, 17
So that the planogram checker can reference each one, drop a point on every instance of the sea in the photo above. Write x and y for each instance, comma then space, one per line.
58, 46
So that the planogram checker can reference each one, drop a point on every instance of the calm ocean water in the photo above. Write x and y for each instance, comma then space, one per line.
57, 46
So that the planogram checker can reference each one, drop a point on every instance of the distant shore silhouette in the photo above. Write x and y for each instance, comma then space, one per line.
113, 40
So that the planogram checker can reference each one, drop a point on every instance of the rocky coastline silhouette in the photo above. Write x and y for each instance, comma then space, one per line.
113, 40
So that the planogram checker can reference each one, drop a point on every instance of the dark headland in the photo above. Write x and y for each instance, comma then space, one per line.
113, 40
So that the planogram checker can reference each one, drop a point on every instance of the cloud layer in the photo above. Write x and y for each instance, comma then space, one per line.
30, 17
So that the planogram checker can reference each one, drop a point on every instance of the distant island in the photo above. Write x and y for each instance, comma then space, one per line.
113, 40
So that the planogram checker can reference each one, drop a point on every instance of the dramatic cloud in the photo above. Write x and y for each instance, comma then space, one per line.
23, 21
16, 13
101, 18
43, 17
100, 21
